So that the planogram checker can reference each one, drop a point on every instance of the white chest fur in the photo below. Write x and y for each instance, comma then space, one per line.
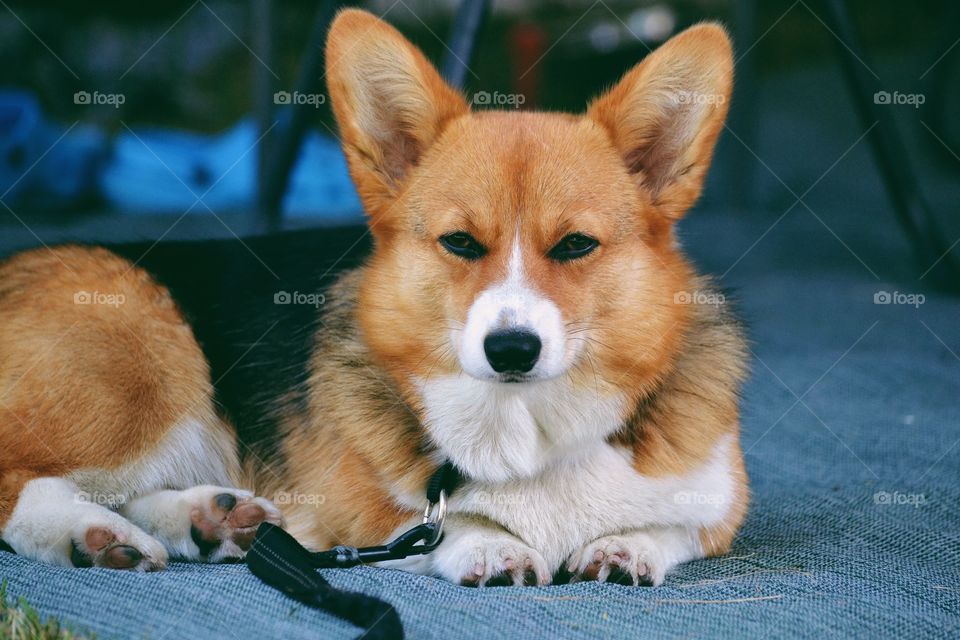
597, 492
494, 432
538, 463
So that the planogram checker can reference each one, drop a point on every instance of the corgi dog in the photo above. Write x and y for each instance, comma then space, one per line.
518, 305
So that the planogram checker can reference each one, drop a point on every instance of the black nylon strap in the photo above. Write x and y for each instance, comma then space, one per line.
446, 478
283, 563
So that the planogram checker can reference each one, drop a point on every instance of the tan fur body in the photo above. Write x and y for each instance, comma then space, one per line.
360, 429
90, 385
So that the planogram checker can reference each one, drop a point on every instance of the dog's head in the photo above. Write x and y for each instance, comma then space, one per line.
517, 246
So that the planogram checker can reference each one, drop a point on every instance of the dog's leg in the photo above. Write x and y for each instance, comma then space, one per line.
104, 389
636, 557
53, 522
209, 523
476, 552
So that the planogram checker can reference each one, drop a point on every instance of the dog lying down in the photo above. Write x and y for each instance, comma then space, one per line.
523, 311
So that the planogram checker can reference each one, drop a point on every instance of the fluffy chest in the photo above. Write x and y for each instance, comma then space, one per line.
494, 432
538, 462
596, 492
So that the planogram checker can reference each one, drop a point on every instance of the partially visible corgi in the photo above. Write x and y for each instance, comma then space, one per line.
523, 311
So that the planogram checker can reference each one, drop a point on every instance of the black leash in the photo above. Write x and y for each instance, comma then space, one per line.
284, 564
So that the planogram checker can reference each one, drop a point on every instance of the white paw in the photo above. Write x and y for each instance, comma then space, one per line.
633, 558
480, 557
105, 539
224, 521
215, 524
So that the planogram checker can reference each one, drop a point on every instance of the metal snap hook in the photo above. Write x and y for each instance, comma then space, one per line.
434, 514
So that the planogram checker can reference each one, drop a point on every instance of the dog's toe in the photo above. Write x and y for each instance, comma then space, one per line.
627, 560
116, 546
490, 559
224, 521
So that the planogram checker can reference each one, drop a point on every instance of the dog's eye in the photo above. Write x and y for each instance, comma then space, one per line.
573, 246
463, 244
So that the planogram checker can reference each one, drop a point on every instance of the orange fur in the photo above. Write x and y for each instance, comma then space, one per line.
89, 385
623, 173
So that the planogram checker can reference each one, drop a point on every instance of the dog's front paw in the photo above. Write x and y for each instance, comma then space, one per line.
214, 524
633, 558
223, 522
107, 540
487, 557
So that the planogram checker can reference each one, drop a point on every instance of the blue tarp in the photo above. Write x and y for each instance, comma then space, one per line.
44, 165
155, 170
851, 433
159, 170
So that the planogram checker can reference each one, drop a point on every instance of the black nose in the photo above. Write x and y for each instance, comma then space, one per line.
512, 350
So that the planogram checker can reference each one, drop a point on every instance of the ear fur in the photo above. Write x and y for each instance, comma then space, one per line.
389, 101
666, 113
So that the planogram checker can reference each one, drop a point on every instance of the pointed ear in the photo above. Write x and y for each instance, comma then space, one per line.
390, 103
665, 115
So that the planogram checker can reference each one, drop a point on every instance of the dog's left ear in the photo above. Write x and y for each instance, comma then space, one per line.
665, 115
390, 104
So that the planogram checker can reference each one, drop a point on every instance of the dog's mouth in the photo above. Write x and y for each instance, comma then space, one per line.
514, 378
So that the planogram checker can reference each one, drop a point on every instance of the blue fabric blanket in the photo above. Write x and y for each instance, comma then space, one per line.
852, 444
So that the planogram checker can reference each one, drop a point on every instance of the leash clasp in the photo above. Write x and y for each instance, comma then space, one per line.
419, 540
434, 514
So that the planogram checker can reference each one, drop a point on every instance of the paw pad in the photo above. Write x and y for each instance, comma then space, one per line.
103, 547
225, 525
616, 560
492, 561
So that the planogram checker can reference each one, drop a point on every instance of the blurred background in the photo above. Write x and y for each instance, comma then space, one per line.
174, 119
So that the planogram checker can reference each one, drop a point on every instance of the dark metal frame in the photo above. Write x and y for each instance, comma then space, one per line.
281, 146
915, 216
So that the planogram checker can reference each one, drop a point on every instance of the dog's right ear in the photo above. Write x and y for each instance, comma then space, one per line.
666, 113
389, 101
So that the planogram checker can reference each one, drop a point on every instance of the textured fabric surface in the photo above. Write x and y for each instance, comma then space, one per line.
851, 435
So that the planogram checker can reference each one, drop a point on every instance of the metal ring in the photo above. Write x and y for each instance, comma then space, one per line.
435, 513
